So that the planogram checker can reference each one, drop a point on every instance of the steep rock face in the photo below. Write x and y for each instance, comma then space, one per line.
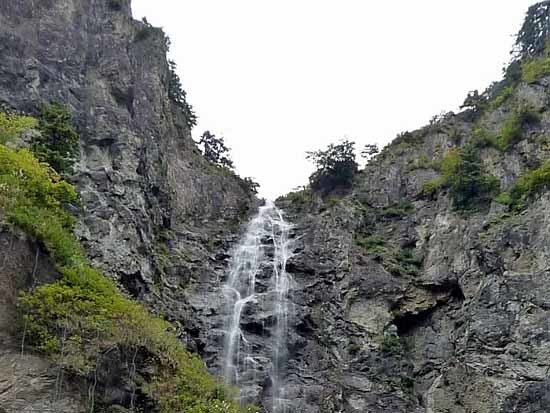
152, 207
444, 310
401, 302
144, 184
140, 172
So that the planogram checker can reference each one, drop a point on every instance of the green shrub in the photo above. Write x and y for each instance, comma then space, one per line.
407, 263
83, 314
532, 182
535, 68
58, 144
391, 343
432, 187
503, 95
298, 200
370, 243
464, 177
12, 125
512, 130
483, 138
398, 210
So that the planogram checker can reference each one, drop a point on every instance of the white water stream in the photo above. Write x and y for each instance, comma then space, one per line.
267, 231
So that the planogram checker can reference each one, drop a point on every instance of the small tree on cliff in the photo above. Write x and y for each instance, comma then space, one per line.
336, 167
178, 95
214, 150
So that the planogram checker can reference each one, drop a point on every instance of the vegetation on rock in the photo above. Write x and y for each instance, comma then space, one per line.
463, 175
179, 97
83, 314
335, 165
512, 130
58, 142
215, 150
526, 186
11, 125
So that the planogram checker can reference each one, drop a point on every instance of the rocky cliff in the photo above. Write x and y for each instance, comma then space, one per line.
152, 209
423, 289
412, 300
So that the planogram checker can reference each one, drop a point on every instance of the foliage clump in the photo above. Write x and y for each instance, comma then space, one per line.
527, 185
83, 314
298, 200
179, 97
335, 165
11, 125
58, 143
397, 210
391, 343
463, 175
215, 151
533, 35
372, 244
512, 130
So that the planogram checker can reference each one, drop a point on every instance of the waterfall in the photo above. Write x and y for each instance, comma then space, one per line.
263, 250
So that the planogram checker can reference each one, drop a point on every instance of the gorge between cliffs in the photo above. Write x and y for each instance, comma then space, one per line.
141, 274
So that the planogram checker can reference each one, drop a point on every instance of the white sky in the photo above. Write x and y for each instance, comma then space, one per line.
278, 78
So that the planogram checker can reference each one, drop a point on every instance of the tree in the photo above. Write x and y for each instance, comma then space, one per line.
58, 143
336, 167
533, 36
466, 178
214, 150
474, 101
179, 96
369, 150
249, 185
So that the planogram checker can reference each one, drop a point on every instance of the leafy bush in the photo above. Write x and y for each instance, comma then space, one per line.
298, 200
534, 69
76, 318
372, 244
58, 143
398, 210
464, 177
503, 95
12, 125
526, 186
391, 343
512, 130
336, 167
484, 138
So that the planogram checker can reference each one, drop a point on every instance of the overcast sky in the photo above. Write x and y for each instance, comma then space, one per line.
278, 78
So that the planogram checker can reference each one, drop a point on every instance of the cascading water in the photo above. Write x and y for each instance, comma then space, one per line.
264, 247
